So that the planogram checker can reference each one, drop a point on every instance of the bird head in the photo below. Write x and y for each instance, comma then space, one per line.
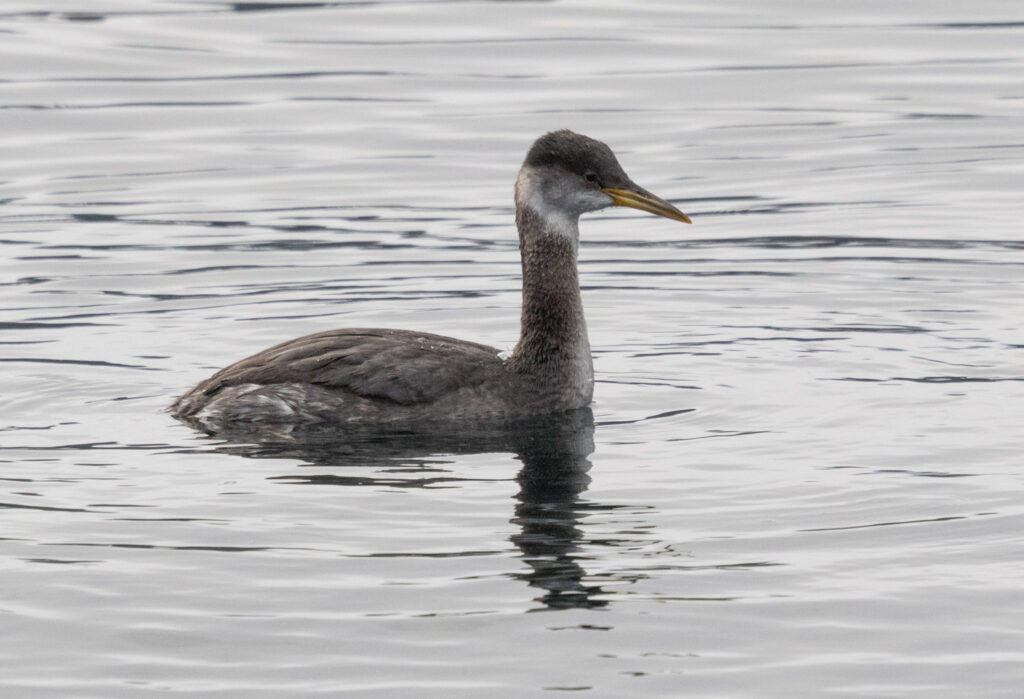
567, 174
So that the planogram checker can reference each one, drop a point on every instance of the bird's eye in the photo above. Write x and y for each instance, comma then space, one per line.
590, 177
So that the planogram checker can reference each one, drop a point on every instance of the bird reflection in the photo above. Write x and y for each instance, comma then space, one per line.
548, 510
554, 474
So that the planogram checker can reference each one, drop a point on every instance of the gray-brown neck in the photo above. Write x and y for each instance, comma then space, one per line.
553, 343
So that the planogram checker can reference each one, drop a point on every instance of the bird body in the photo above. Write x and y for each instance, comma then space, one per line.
378, 376
383, 376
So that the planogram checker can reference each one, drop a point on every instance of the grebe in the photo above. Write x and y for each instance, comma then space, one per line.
376, 376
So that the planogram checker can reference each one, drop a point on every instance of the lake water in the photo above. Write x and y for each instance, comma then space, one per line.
803, 474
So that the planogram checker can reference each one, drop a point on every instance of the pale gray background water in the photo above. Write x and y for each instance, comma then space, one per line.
806, 476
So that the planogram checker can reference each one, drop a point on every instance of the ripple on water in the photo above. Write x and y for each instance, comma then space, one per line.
806, 417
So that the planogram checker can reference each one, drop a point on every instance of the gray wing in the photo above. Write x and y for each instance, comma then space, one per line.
402, 366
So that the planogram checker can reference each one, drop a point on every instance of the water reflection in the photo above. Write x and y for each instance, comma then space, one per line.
548, 510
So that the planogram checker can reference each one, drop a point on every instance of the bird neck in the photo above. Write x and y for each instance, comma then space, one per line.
553, 339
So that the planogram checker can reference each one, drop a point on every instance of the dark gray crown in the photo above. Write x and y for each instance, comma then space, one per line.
578, 154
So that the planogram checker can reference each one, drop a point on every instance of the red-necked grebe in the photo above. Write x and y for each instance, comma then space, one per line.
371, 376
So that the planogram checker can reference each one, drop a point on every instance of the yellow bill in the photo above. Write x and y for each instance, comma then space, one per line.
645, 201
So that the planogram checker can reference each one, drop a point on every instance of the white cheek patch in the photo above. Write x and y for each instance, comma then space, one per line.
559, 208
556, 221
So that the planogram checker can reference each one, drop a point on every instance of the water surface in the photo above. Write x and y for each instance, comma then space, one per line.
802, 472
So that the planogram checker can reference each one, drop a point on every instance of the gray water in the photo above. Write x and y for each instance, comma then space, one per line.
803, 474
